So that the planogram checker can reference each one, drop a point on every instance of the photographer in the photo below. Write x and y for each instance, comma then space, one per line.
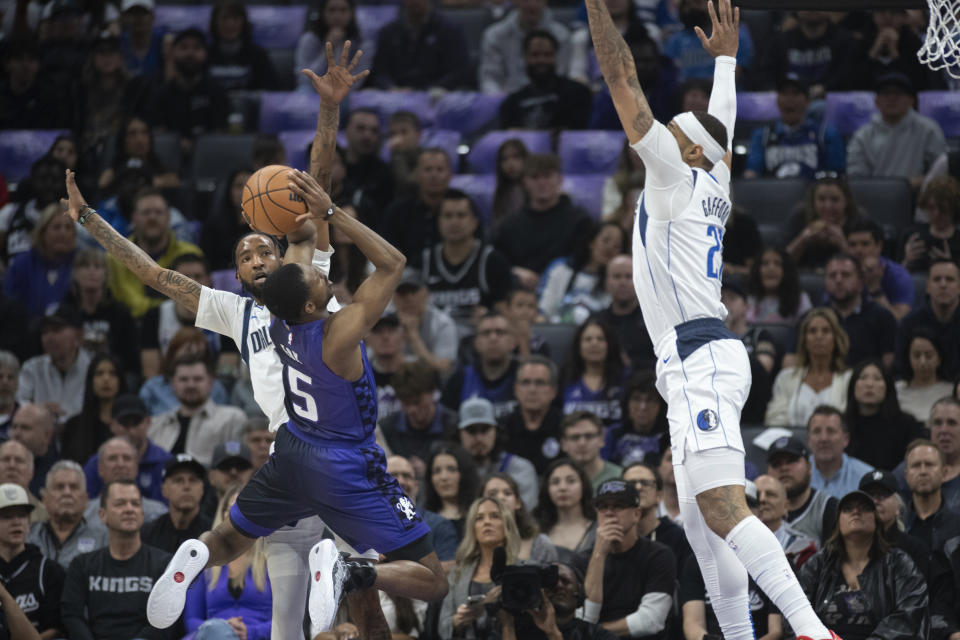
630, 579
554, 619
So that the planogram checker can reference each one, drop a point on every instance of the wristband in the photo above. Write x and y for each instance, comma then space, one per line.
725, 60
591, 611
85, 212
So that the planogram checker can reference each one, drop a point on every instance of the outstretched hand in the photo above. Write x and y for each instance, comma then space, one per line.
306, 186
335, 84
724, 37
74, 200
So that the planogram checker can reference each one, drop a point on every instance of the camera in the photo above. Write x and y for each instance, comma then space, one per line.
520, 585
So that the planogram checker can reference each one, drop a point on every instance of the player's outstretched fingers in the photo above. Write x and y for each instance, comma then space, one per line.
355, 61
345, 53
714, 20
701, 35
328, 53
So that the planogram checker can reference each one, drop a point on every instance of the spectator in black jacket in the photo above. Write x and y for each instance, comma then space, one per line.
941, 314
105, 593
928, 516
859, 586
550, 101
419, 50
815, 50
550, 225
191, 102
35, 582
368, 178
183, 489
945, 592
26, 102
235, 61
533, 427
883, 487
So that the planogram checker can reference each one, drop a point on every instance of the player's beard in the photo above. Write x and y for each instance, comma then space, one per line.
797, 490
253, 287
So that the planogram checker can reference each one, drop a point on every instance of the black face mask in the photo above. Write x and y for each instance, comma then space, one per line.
541, 73
695, 18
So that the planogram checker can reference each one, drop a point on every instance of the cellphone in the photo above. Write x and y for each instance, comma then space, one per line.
474, 600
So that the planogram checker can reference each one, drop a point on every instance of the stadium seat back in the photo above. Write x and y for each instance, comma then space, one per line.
849, 110
944, 107
590, 151
19, 149
216, 155
483, 155
768, 200
467, 111
586, 191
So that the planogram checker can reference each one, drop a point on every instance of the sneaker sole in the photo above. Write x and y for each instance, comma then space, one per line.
327, 575
169, 593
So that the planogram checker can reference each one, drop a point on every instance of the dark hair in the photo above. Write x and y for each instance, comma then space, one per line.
850, 206
546, 511
236, 245
149, 163
191, 33
889, 407
537, 360
82, 440
577, 417
515, 291
182, 338
285, 292
406, 116
538, 164
317, 23
234, 7
842, 256
865, 225
149, 192
504, 186
941, 260
526, 524
105, 494
646, 465
368, 110
581, 252
945, 192
189, 258
413, 379
929, 334
613, 363
713, 126
191, 359
457, 194
540, 33
789, 293
429, 151
828, 410
643, 381
834, 548
468, 479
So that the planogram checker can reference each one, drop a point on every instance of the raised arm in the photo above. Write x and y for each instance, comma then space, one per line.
172, 284
351, 323
619, 72
723, 43
332, 87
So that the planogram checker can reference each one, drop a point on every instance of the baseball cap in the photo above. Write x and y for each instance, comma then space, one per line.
184, 461
64, 316
733, 284
857, 496
879, 478
411, 279
617, 493
788, 445
126, 5
128, 405
13, 495
476, 411
59, 7
232, 451
898, 82
791, 81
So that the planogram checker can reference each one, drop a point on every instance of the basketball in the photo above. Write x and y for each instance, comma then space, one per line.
269, 206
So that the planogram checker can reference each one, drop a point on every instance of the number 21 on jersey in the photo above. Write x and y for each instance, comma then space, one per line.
715, 254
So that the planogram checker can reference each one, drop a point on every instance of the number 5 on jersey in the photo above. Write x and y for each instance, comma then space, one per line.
309, 409
715, 254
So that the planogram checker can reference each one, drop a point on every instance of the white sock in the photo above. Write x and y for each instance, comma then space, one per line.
760, 552
723, 574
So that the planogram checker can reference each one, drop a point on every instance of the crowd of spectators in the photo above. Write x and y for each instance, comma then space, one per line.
516, 380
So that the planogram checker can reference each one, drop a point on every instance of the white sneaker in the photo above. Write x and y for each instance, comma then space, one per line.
328, 572
169, 592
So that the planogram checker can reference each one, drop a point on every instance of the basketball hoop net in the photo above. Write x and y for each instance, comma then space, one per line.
941, 48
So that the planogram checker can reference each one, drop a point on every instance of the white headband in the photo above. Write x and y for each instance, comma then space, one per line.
689, 124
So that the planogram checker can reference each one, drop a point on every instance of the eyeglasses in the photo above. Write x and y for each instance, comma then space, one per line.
645, 484
533, 382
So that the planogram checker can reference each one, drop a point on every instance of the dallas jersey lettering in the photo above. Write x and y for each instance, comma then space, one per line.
703, 371
349, 408
678, 263
248, 324
604, 403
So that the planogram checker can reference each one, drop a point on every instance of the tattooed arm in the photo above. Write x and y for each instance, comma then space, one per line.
172, 284
619, 72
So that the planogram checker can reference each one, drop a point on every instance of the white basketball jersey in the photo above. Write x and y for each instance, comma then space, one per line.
678, 262
248, 324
